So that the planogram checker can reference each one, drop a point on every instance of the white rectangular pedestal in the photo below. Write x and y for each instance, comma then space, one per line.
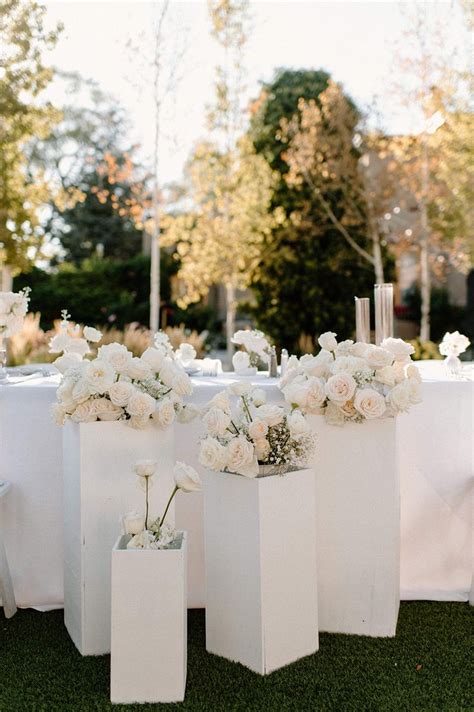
358, 524
149, 624
260, 550
99, 487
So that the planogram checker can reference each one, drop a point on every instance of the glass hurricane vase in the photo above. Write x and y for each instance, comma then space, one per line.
453, 365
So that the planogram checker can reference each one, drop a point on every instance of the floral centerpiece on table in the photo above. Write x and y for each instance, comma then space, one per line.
452, 346
353, 382
13, 309
257, 349
117, 385
247, 436
156, 534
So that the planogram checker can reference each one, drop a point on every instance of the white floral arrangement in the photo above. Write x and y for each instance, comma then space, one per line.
117, 385
13, 309
244, 435
353, 382
454, 344
257, 349
159, 534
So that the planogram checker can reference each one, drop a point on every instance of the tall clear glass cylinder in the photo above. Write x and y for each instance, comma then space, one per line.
362, 315
383, 294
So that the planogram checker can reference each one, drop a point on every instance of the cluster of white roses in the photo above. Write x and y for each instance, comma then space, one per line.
158, 535
353, 381
256, 348
117, 385
252, 433
453, 344
13, 309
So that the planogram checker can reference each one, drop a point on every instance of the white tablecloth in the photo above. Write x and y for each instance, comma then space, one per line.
436, 451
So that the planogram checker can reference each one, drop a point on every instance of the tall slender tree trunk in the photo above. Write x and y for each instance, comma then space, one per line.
231, 312
377, 252
425, 276
7, 279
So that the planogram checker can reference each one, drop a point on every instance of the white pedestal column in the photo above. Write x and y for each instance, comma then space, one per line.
100, 486
149, 624
260, 549
358, 524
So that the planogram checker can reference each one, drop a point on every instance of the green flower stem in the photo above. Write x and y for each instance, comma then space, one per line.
168, 505
247, 409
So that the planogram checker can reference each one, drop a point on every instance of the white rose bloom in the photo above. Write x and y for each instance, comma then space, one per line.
414, 389
386, 375
340, 388
81, 390
327, 341
378, 357
99, 375
59, 413
161, 339
133, 523
66, 361
271, 414
359, 349
106, 410
258, 429
262, 449
242, 458
64, 394
117, 355
241, 361
297, 424
258, 397
91, 334
221, 401
240, 388
59, 343
165, 413
186, 478
296, 394
138, 370
186, 353
121, 392
138, 423
399, 370
349, 364
84, 412
212, 454
399, 397
400, 350
77, 346
141, 405
181, 383
413, 372
453, 344
315, 394
145, 468
216, 421
334, 414
187, 413
369, 403
168, 372
344, 348
154, 358
293, 362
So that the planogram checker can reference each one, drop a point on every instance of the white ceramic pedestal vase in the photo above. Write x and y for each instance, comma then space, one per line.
149, 623
260, 550
358, 523
99, 487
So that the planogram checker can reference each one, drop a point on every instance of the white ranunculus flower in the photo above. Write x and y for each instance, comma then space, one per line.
453, 344
315, 394
378, 357
359, 349
138, 370
154, 358
328, 341
106, 410
271, 414
386, 375
216, 421
133, 523
181, 383
99, 375
212, 454
59, 343
187, 413
262, 449
340, 388
242, 458
413, 372
77, 346
117, 355
240, 361
221, 401
334, 414
91, 334
121, 392
145, 468
240, 388
141, 405
84, 412
369, 403
400, 350
165, 413
66, 361
186, 478
297, 424
258, 429
399, 397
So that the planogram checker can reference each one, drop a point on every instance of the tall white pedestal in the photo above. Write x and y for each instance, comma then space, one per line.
99, 487
260, 550
358, 525
149, 624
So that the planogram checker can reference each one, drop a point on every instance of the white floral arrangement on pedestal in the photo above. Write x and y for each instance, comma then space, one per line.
452, 346
13, 309
157, 535
257, 349
250, 437
353, 382
117, 385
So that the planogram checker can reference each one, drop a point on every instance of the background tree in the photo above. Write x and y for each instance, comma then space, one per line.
23, 78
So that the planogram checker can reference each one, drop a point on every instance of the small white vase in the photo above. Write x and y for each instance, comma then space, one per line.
453, 365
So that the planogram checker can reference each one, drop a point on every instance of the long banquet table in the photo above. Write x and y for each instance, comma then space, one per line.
436, 459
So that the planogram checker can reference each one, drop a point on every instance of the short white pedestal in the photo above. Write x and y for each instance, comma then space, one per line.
358, 523
99, 487
261, 605
149, 624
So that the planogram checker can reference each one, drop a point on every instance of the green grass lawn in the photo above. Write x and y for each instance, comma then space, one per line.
428, 666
